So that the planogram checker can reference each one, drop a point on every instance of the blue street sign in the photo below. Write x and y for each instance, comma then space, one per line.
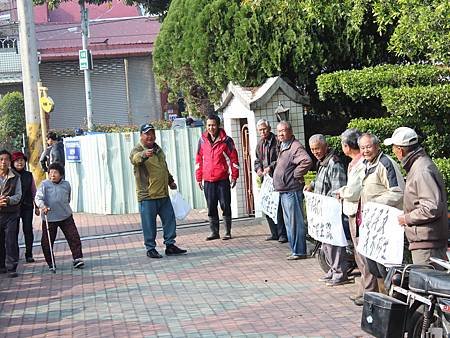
72, 149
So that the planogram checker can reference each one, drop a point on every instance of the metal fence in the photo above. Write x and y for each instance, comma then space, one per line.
103, 181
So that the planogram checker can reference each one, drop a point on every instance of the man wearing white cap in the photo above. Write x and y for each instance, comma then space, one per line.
425, 199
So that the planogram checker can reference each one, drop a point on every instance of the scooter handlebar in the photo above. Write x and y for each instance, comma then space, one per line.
441, 262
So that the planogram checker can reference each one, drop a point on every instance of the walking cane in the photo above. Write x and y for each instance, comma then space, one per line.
53, 268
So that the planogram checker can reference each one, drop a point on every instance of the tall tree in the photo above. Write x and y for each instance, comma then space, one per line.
421, 29
216, 41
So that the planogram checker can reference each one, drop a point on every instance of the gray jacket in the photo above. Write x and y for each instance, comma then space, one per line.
55, 196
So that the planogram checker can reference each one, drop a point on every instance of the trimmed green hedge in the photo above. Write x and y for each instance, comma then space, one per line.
427, 110
443, 165
370, 81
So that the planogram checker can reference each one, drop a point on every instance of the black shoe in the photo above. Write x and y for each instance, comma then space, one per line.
2, 269
282, 240
174, 250
153, 254
78, 263
226, 237
212, 237
29, 259
271, 238
13, 274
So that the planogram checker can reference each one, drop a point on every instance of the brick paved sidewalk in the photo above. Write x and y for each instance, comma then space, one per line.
95, 225
242, 287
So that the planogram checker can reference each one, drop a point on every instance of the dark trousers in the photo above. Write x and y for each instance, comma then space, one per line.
376, 269
9, 247
218, 192
27, 228
278, 230
70, 232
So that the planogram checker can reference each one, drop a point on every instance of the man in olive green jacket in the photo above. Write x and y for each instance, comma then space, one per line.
152, 181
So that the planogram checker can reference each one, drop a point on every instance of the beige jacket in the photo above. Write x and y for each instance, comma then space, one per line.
351, 192
383, 182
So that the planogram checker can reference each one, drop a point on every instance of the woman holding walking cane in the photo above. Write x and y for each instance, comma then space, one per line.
53, 198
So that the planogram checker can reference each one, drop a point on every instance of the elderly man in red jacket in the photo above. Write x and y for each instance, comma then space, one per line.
215, 148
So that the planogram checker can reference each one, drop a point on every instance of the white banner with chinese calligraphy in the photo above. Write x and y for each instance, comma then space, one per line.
380, 235
269, 198
325, 219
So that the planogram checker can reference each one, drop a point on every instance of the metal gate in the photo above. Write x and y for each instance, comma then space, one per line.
246, 159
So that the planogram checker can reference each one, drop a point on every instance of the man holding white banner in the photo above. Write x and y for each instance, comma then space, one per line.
424, 214
329, 178
383, 184
266, 159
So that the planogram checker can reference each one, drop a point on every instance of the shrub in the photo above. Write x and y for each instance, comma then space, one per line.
12, 121
427, 110
370, 81
443, 165
115, 128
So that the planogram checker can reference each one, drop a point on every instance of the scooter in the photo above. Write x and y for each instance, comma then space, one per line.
418, 303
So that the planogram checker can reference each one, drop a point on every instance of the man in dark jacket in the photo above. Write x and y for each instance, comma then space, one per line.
213, 176
10, 195
54, 153
266, 160
425, 199
292, 164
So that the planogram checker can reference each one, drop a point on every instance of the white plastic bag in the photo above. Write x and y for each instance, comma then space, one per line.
181, 208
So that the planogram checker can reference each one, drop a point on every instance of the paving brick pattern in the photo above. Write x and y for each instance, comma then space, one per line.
241, 288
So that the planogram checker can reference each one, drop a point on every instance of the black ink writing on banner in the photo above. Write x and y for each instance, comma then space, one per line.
374, 222
314, 206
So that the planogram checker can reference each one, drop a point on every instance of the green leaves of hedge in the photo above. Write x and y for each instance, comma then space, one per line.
369, 82
12, 121
443, 165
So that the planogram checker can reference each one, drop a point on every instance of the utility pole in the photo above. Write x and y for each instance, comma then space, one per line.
87, 72
30, 77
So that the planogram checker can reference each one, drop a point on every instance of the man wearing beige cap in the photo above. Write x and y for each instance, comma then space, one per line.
425, 200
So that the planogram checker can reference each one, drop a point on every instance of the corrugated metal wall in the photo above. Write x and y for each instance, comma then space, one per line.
109, 92
144, 96
103, 182
65, 83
